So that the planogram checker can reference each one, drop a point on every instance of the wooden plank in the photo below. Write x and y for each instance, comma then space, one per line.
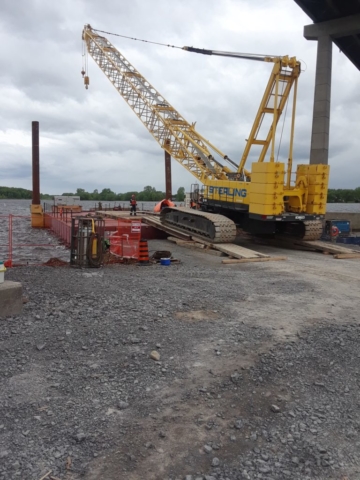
237, 251
230, 249
324, 246
282, 243
191, 244
247, 260
307, 245
347, 255
202, 248
172, 239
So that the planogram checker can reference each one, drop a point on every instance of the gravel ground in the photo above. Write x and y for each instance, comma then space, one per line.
257, 377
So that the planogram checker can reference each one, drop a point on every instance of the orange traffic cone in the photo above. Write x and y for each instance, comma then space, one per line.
143, 252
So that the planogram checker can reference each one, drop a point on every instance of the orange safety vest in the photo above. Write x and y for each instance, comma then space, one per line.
133, 201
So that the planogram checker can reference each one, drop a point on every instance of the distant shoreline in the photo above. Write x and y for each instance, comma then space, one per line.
332, 207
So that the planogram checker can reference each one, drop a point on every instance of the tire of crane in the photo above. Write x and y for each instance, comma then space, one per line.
223, 229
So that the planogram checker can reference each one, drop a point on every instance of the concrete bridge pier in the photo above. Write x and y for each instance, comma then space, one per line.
325, 33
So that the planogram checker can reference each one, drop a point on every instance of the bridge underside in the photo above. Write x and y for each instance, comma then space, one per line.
335, 21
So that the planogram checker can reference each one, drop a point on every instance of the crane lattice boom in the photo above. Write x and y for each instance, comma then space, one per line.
167, 126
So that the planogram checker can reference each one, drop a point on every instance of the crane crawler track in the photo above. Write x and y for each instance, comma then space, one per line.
313, 230
211, 227
306, 230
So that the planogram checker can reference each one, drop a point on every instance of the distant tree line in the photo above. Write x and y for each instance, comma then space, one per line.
341, 195
20, 193
149, 194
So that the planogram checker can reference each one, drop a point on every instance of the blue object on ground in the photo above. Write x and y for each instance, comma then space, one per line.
165, 261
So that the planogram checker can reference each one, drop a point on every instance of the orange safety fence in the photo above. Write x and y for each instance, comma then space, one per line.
60, 226
20, 244
124, 242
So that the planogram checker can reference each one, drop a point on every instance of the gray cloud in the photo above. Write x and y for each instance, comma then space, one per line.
92, 139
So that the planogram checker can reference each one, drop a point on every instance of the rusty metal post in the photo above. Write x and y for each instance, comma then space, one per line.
168, 186
37, 214
35, 164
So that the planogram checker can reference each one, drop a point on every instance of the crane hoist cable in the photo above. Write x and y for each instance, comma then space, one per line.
137, 39
250, 56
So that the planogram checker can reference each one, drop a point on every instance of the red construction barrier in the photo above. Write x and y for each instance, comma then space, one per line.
60, 226
20, 244
124, 242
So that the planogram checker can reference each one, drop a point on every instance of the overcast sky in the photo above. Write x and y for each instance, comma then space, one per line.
92, 139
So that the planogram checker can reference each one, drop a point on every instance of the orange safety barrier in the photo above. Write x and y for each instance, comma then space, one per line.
124, 242
143, 252
60, 226
20, 244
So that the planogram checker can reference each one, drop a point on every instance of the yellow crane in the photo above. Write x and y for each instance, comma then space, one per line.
260, 200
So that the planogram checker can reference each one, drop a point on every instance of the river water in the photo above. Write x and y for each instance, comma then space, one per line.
44, 245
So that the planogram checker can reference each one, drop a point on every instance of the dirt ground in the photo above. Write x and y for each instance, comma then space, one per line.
258, 376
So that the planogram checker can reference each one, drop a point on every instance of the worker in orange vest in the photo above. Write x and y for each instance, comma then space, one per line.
133, 205
334, 233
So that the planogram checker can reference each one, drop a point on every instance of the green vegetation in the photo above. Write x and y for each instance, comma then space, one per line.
344, 195
9, 192
149, 194
20, 193
180, 196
